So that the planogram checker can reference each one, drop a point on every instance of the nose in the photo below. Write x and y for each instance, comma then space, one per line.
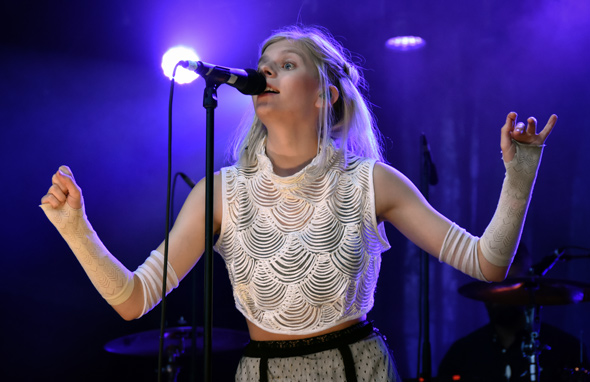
267, 71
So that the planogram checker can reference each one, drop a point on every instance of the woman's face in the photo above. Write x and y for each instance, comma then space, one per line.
292, 85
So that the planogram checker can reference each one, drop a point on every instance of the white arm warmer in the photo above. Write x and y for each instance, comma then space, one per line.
151, 274
110, 278
500, 239
460, 251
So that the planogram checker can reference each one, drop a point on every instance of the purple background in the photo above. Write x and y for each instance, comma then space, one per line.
82, 86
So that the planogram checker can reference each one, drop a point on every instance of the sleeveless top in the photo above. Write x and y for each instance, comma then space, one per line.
303, 252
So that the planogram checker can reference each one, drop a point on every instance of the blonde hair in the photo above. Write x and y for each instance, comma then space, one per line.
349, 121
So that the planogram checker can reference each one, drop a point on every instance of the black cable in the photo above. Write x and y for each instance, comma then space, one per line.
193, 358
172, 198
168, 212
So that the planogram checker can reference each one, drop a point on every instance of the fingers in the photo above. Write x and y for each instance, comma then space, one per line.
519, 129
66, 170
526, 133
531, 125
57, 194
508, 128
510, 121
66, 179
548, 127
530, 134
509, 124
52, 200
506, 137
63, 189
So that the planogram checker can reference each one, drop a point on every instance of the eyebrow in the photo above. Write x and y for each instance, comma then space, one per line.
263, 59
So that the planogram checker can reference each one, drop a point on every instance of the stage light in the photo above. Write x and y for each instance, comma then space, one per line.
404, 43
172, 57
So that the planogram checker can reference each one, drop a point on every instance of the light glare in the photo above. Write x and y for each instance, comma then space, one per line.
404, 43
172, 57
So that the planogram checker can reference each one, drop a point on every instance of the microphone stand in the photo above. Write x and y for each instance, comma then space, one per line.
428, 176
209, 103
215, 76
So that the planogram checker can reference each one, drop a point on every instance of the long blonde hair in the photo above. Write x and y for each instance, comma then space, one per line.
349, 121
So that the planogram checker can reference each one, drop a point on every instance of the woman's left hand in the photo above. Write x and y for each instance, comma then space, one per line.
527, 135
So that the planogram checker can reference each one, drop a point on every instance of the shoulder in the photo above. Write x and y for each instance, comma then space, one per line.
383, 171
387, 179
198, 197
199, 191
397, 199
200, 186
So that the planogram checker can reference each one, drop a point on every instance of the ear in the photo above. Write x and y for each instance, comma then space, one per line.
333, 95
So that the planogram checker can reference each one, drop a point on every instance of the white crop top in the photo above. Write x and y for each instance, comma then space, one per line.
303, 252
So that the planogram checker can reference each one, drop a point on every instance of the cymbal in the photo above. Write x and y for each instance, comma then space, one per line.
176, 338
528, 290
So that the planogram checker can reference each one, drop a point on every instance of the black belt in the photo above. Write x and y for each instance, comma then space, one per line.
294, 348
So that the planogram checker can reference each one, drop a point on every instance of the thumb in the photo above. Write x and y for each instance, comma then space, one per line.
508, 149
66, 170
74, 194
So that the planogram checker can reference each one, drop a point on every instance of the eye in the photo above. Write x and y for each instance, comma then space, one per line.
288, 66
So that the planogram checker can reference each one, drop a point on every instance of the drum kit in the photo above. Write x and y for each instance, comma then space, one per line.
533, 292
177, 341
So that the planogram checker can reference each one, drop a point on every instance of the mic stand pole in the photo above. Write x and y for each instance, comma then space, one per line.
209, 103
428, 177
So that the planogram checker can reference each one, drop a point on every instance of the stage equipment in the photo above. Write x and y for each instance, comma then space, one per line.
531, 292
428, 177
177, 340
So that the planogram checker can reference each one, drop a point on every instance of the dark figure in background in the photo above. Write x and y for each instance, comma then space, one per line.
494, 352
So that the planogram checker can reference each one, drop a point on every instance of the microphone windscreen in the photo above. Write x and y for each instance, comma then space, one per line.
256, 83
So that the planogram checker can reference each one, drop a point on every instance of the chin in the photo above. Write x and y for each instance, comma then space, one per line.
264, 112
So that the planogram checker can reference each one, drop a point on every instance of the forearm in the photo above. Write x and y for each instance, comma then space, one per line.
111, 278
132, 294
489, 257
499, 242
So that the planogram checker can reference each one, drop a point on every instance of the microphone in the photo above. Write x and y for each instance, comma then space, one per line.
433, 175
247, 81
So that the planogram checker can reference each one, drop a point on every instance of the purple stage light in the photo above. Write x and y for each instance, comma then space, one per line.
172, 57
404, 43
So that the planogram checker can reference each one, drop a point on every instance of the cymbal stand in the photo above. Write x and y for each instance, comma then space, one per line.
172, 367
174, 351
531, 346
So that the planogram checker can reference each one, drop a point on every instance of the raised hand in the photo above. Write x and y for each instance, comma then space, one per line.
513, 130
63, 189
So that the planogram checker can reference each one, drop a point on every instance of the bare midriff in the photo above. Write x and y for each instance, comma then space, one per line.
259, 334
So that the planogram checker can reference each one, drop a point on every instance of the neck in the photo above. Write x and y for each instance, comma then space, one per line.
289, 153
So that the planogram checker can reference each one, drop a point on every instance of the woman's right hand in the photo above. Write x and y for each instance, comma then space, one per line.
63, 190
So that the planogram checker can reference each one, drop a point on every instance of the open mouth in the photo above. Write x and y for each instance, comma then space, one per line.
270, 90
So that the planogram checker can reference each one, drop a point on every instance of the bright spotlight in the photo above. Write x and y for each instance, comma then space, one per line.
172, 57
404, 43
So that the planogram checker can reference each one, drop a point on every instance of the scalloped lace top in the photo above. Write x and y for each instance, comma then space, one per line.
303, 252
